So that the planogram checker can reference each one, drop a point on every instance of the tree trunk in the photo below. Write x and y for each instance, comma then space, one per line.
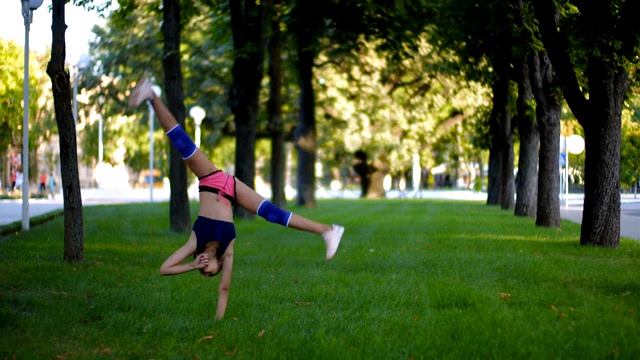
376, 185
247, 22
527, 178
362, 168
274, 107
501, 183
179, 214
507, 198
305, 132
73, 221
548, 111
494, 187
602, 129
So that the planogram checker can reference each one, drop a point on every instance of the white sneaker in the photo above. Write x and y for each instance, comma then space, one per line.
141, 93
332, 239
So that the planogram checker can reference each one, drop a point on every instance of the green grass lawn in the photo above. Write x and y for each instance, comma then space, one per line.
412, 279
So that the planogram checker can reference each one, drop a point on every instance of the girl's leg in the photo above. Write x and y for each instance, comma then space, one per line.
198, 162
251, 200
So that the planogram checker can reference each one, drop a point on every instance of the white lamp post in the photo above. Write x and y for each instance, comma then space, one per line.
198, 114
156, 89
27, 13
574, 144
100, 145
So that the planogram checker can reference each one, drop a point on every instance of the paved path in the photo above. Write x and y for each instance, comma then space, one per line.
629, 214
571, 210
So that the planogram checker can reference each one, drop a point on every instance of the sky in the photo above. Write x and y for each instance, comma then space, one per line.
79, 24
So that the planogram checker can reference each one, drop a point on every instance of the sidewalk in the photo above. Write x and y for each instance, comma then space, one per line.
11, 210
629, 213
571, 210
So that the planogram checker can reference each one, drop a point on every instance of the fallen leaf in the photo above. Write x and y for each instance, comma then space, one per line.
505, 296
106, 351
205, 338
552, 307
209, 337
260, 333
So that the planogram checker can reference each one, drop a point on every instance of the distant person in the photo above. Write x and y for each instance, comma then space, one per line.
212, 239
13, 180
19, 178
52, 186
43, 183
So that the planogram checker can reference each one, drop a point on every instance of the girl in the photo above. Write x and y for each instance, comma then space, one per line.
213, 234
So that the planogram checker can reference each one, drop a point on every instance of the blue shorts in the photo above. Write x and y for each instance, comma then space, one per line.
208, 230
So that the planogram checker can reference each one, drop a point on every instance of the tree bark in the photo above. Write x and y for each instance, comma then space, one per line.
362, 168
548, 111
376, 190
274, 108
179, 213
527, 177
501, 182
305, 132
247, 22
73, 220
603, 133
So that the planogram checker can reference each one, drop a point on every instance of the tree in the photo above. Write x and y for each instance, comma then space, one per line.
247, 22
73, 221
179, 215
605, 34
381, 112
306, 25
274, 105
548, 109
11, 110
484, 53
527, 176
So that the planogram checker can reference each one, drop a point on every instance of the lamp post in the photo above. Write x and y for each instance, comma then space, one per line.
77, 64
198, 114
27, 13
574, 144
100, 145
156, 89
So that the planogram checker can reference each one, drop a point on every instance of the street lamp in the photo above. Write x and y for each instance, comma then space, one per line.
573, 144
198, 114
156, 89
76, 65
27, 13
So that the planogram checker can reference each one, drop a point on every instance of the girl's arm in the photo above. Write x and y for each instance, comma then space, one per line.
173, 265
225, 282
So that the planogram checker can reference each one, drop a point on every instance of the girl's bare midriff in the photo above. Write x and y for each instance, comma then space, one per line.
212, 207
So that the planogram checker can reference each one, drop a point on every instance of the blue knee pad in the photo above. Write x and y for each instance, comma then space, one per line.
273, 213
182, 142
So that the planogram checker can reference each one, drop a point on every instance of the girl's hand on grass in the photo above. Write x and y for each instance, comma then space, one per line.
201, 261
